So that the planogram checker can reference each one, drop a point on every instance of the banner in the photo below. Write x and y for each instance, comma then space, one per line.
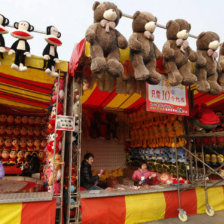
65, 123
164, 98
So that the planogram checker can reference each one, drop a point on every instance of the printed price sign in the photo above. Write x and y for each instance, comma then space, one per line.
164, 98
65, 123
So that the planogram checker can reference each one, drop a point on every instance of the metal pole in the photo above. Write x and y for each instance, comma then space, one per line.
177, 169
196, 162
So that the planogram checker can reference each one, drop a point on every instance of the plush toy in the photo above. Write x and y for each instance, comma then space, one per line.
31, 121
43, 133
20, 158
176, 52
24, 120
30, 131
16, 132
36, 131
58, 88
8, 144
60, 110
43, 145
105, 40
143, 51
206, 65
3, 22
21, 47
221, 66
2, 130
43, 121
36, 145
22, 144
51, 125
23, 131
37, 121
5, 157
50, 51
10, 120
12, 159
9, 131
29, 144
3, 119
1, 143
15, 144
17, 120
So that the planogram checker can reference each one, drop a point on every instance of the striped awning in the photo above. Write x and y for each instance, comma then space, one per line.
94, 98
26, 91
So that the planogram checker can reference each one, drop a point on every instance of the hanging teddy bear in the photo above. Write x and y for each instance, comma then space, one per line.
206, 65
221, 66
50, 53
21, 48
176, 52
143, 51
3, 22
105, 40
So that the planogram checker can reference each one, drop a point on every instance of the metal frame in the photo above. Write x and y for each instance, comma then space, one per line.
196, 181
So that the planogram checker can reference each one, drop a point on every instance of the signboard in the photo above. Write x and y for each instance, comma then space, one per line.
164, 98
65, 123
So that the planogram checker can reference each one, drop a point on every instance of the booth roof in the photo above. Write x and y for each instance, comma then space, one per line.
94, 98
26, 92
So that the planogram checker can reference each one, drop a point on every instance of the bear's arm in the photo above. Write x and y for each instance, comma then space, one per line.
133, 42
168, 52
91, 33
201, 60
121, 41
221, 58
192, 55
157, 52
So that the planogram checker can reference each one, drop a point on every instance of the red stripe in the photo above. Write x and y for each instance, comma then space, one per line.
27, 84
109, 210
38, 212
23, 100
136, 104
206, 98
188, 203
108, 99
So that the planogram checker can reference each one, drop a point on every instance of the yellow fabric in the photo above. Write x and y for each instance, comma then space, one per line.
10, 213
117, 100
145, 207
88, 93
133, 98
34, 61
24, 93
215, 199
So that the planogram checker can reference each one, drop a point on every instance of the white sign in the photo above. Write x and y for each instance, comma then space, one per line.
65, 123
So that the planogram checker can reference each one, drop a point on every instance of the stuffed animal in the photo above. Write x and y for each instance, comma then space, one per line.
143, 51
12, 157
29, 143
3, 119
9, 131
206, 65
36, 145
22, 144
105, 40
24, 120
1, 143
20, 158
36, 132
176, 52
58, 88
3, 22
31, 121
16, 132
10, 120
5, 157
23, 132
50, 53
43, 145
221, 66
15, 144
2, 130
17, 120
37, 121
29, 132
21, 48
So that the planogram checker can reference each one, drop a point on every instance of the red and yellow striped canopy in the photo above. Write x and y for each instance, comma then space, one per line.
26, 91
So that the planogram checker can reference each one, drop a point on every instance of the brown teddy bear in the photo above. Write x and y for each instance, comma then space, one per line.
221, 66
143, 51
206, 65
105, 40
176, 52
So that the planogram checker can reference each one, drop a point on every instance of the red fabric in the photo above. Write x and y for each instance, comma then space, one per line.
109, 210
29, 185
39, 212
204, 114
188, 203
138, 174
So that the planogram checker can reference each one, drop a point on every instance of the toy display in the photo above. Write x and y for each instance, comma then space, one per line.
3, 22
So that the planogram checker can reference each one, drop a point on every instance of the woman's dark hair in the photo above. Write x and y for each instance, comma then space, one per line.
141, 163
88, 155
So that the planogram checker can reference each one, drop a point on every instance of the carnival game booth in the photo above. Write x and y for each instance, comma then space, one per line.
119, 131
25, 106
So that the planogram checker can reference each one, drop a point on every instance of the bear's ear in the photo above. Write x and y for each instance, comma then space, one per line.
95, 4
137, 13
201, 35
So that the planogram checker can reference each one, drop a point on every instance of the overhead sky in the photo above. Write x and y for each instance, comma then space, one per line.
72, 18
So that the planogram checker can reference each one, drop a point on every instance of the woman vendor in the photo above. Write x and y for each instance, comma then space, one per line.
142, 175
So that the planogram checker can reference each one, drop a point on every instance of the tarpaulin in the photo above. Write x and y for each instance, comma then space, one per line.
28, 213
142, 208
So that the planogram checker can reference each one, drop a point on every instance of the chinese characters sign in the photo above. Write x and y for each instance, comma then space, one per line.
65, 123
164, 98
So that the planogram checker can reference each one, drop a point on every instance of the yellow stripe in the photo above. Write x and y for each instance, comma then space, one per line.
24, 93
10, 213
88, 93
144, 207
131, 100
215, 100
87, 49
21, 105
117, 100
215, 199
35, 62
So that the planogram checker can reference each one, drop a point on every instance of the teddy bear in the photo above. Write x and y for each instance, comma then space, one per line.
143, 51
105, 40
176, 52
206, 64
221, 66
10, 120
18, 120
2, 130
3, 119
15, 144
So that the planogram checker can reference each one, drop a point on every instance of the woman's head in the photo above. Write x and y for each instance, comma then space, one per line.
143, 166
